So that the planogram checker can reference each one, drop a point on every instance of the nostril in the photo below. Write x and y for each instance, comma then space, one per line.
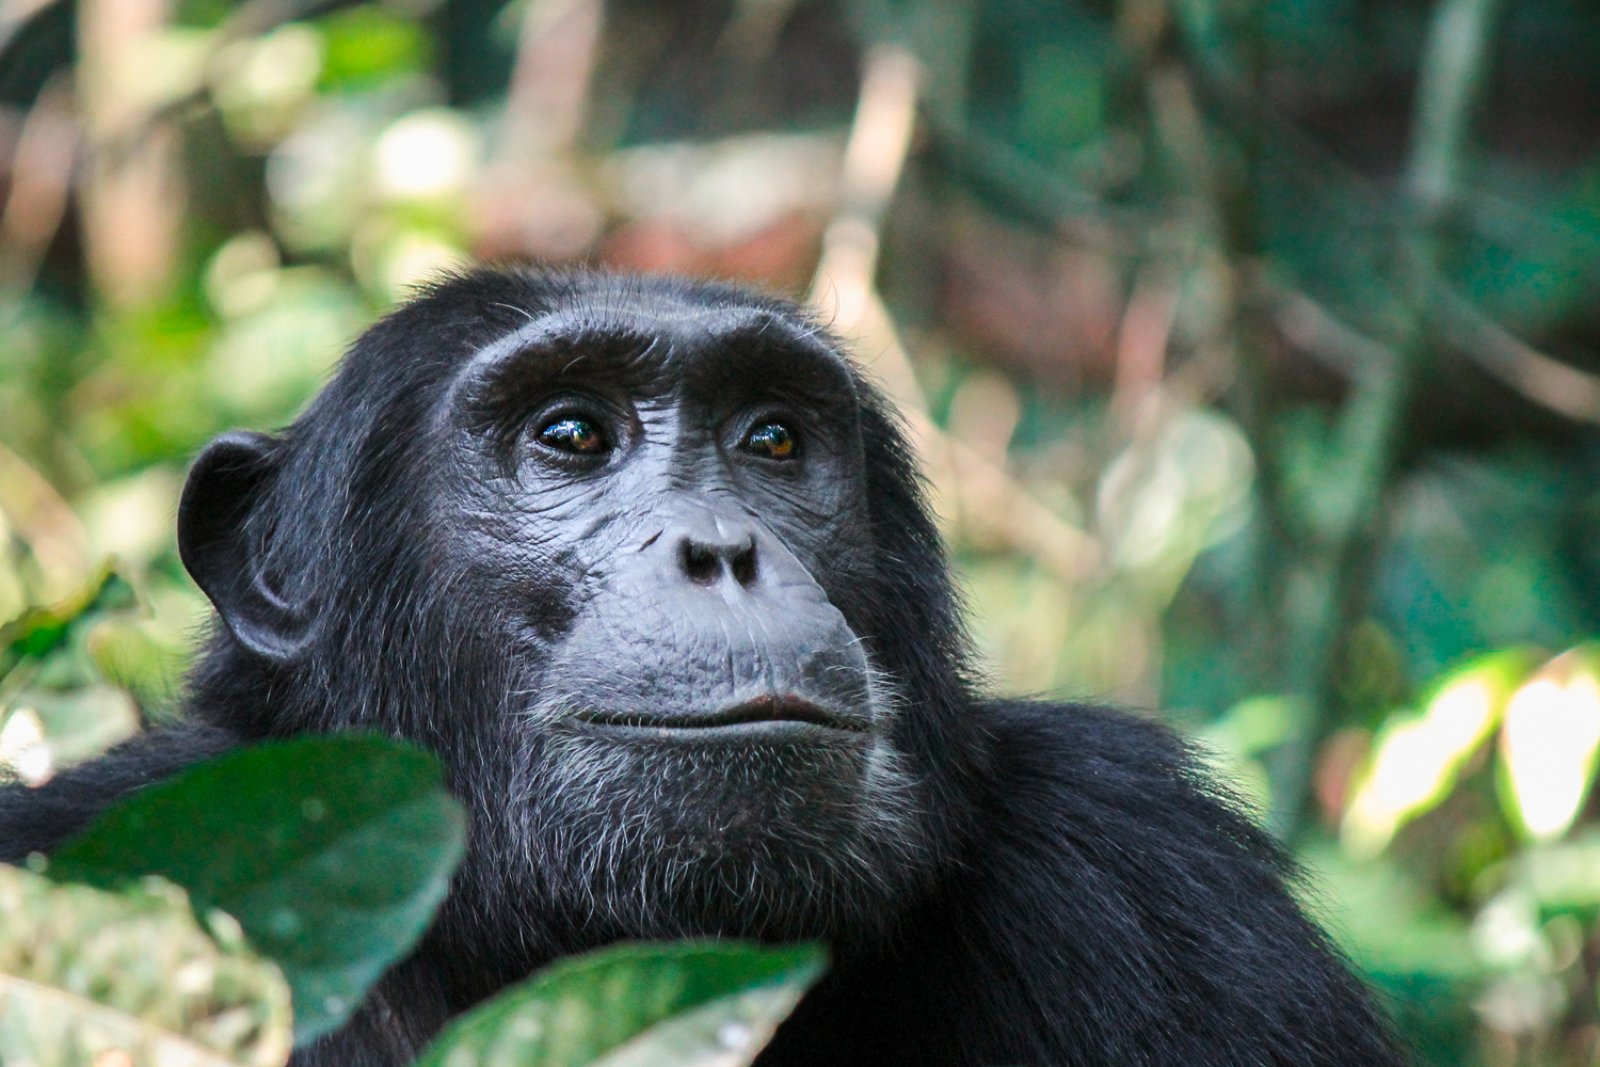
743, 564
700, 563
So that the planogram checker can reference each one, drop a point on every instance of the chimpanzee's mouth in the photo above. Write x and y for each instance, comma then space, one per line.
764, 715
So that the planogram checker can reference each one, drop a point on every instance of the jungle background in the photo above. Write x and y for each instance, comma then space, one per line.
1253, 350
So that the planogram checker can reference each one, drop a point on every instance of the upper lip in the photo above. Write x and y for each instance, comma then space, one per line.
766, 708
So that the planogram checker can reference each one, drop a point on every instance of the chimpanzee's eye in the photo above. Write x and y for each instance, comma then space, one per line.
773, 440
575, 434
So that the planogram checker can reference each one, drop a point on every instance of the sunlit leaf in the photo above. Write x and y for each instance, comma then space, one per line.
668, 1005
91, 977
332, 853
1549, 744
1417, 757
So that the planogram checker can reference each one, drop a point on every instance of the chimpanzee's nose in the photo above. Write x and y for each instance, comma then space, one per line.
705, 559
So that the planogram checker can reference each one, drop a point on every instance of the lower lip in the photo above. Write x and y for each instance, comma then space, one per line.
763, 731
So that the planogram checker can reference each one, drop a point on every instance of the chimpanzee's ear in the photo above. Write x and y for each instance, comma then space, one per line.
224, 487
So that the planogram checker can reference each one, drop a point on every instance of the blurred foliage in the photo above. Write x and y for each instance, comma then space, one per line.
1254, 350
94, 977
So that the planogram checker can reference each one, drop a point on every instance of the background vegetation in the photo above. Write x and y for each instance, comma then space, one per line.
1252, 348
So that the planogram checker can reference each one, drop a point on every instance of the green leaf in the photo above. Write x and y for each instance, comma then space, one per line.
41, 631
85, 974
332, 853
1418, 757
663, 1005
1550, 745
367, 46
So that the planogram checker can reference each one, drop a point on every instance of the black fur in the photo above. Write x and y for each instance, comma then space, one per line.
1001, 882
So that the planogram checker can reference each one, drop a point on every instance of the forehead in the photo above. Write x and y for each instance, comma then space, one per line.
653, 339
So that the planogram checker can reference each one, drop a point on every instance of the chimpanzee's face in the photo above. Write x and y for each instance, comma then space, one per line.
665, 508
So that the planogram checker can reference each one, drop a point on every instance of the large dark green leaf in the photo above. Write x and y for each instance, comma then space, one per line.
331, 852
668, 1005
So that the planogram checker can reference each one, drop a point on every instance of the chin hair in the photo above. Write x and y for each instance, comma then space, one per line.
772, 842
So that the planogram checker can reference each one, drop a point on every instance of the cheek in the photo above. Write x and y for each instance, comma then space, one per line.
513, 583
835, 543
506, 528
816, 515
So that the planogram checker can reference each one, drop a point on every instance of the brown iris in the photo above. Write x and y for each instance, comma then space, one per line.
771, 439
573, 433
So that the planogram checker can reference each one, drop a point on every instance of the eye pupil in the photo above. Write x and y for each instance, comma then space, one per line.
570, 433
771, 439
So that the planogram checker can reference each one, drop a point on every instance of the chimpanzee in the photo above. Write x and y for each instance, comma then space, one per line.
647, 563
